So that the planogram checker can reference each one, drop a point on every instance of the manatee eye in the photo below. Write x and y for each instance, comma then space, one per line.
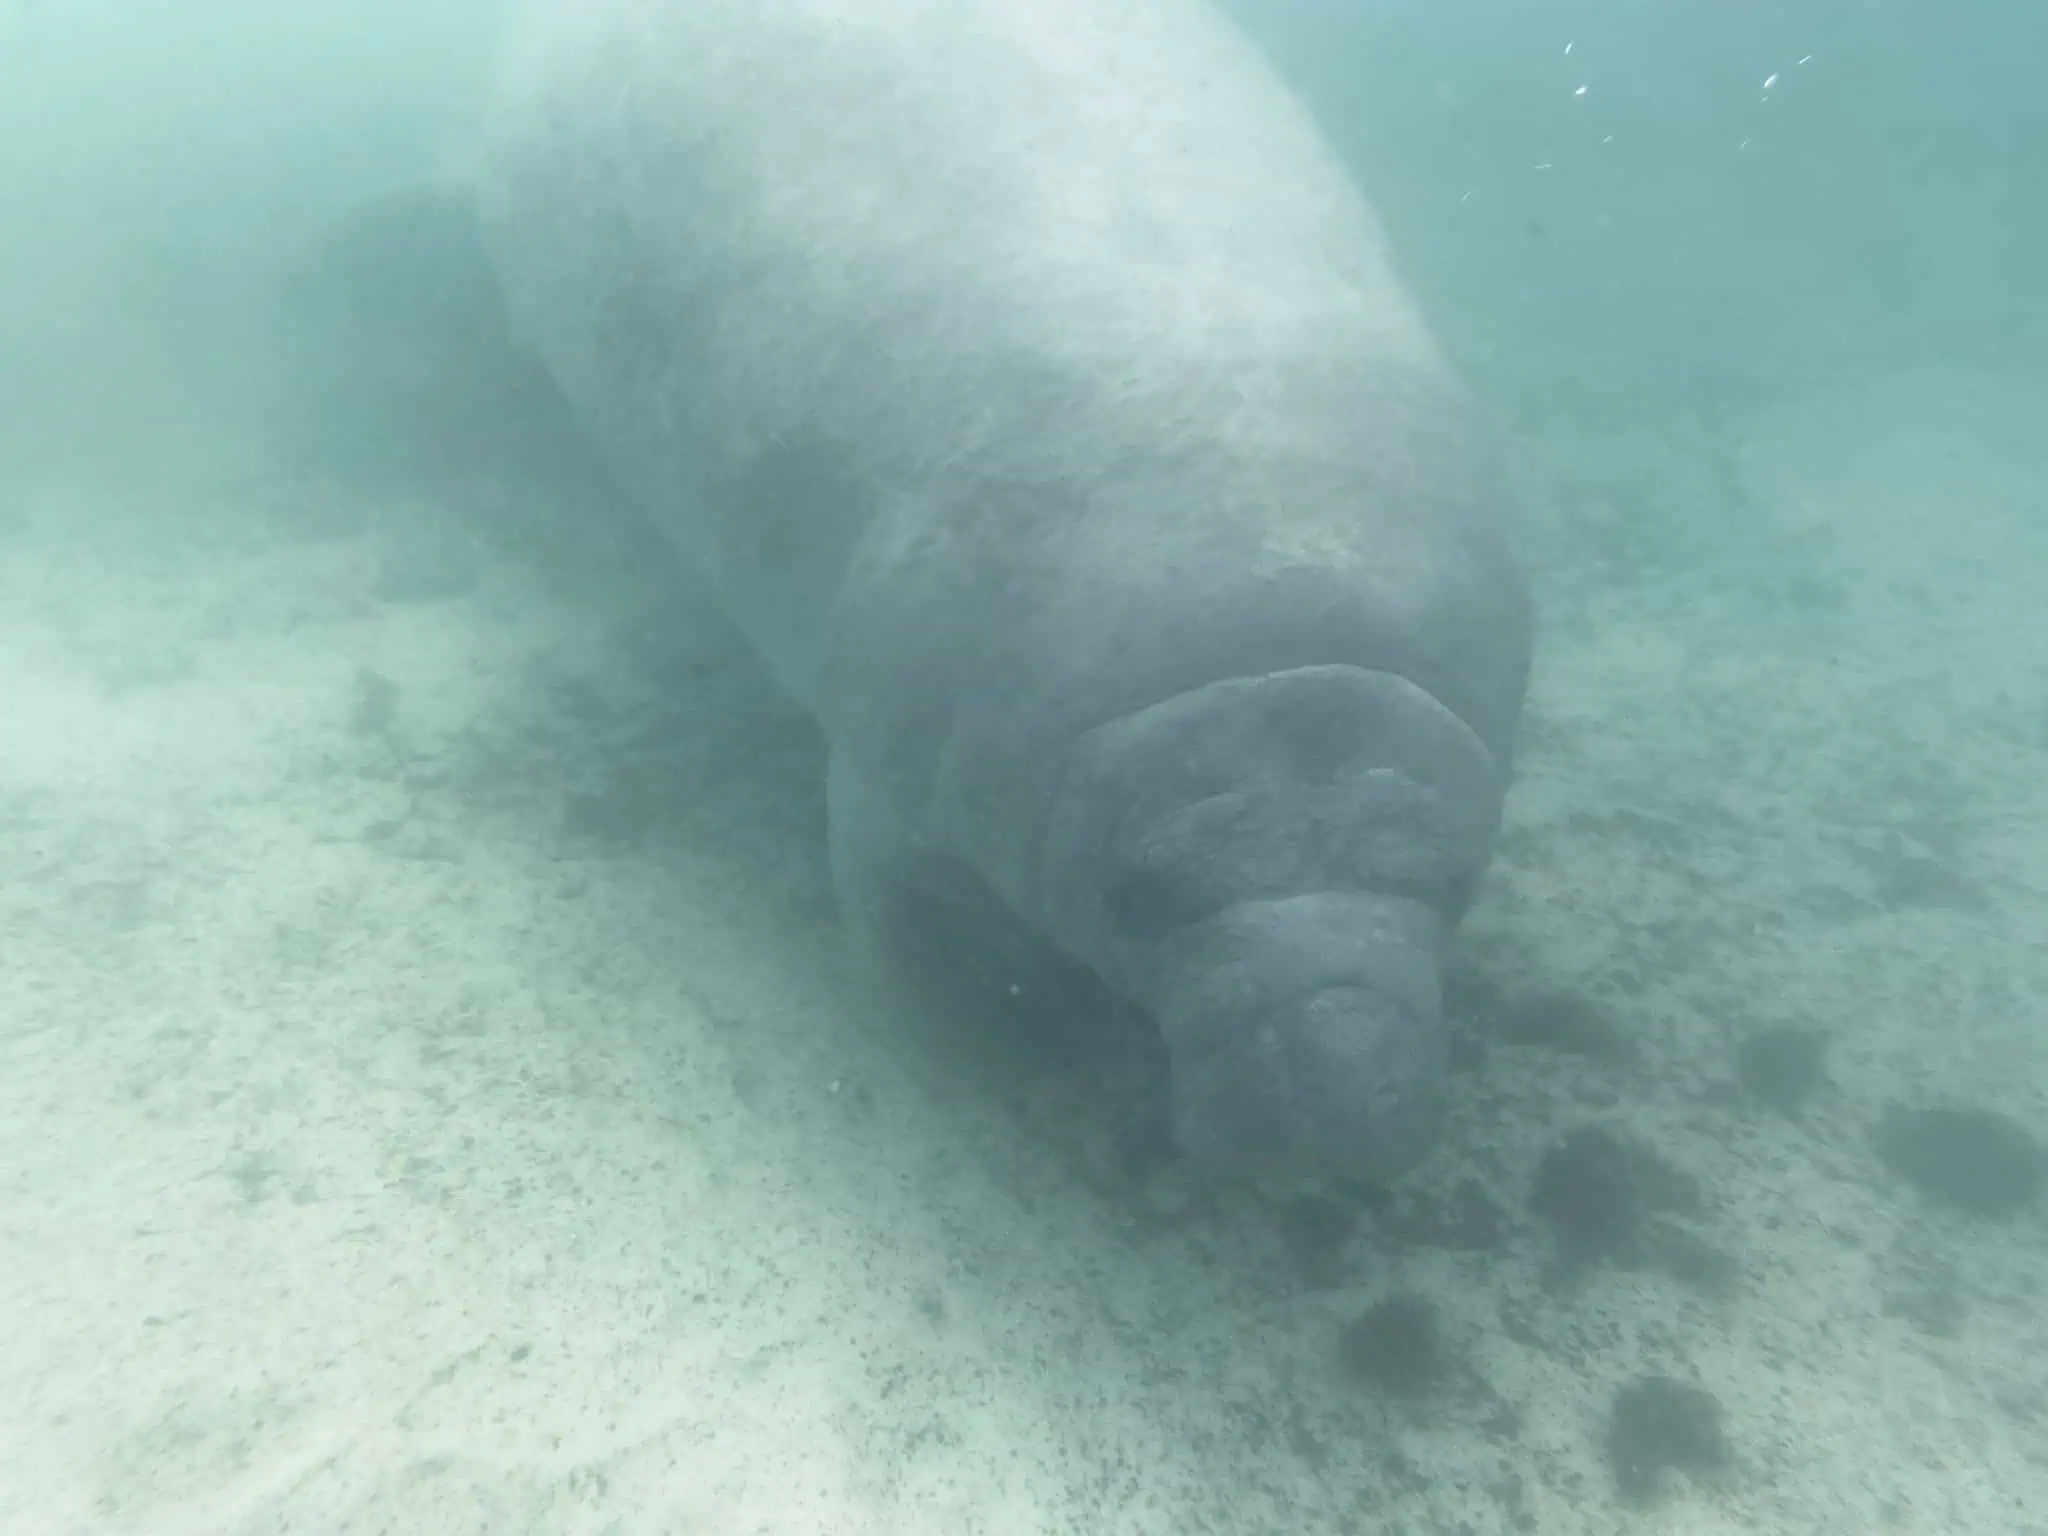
1149, 904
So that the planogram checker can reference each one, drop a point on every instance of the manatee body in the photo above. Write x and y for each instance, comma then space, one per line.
1037, 391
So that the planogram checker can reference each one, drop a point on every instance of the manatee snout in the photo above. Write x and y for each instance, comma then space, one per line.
1281, 901
1306, 1036
1343, 1081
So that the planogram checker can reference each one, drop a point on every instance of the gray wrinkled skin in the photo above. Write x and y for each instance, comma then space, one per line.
1038, 392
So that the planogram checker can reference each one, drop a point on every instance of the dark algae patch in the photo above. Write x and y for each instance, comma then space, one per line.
1314, 1230
1974, 1160
1397, 1347
1587, 1189
1779, 1067
1661, 1425
1596, 1190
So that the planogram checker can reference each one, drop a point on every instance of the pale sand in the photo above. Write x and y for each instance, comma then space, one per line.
450, 1109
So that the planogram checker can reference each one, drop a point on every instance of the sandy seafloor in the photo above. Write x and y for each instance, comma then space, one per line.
436, 1098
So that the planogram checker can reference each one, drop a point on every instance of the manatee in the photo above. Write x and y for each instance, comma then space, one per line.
1037, 391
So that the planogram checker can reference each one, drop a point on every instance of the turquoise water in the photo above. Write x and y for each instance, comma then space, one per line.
437, 1095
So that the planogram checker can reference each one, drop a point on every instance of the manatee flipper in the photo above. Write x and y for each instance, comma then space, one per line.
919, 915
994, 993
870, 856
